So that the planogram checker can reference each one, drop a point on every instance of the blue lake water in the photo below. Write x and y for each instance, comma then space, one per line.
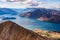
33, 24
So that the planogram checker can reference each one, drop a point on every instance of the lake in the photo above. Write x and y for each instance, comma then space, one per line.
33, 24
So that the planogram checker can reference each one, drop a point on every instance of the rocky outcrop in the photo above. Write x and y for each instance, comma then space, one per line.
51, 34
53, 18
26, 15
11, 31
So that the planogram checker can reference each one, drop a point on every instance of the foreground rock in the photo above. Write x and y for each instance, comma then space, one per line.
11, 31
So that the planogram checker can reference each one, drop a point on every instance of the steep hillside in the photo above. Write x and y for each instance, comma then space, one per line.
53, 18
11, 31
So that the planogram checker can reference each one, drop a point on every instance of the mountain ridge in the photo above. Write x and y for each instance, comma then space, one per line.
7, 11
44, 13
11, 31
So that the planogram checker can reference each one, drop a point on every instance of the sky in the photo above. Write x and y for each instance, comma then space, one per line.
30, 3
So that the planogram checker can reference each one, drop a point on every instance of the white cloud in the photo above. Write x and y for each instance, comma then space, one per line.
3, 0
16, 0
45, 5
28, 3
12, 5
57, 6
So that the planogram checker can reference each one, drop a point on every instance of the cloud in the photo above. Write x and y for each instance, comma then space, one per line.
57, 6
29, 3
3, 0
43, 4
15, 0
1, 6
12, 5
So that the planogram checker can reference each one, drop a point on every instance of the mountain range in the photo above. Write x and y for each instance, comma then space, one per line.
43, 14
7, 11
